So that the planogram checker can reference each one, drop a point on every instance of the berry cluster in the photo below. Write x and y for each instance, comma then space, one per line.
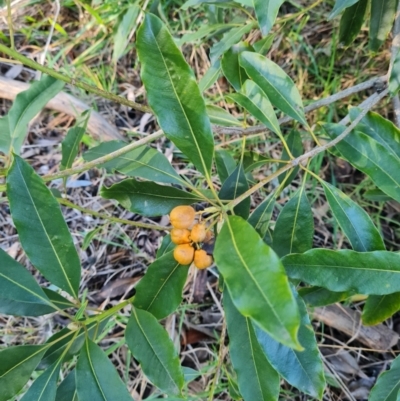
189, 236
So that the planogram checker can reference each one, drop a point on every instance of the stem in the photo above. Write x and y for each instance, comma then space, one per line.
104, 216
374, 99
10, 25
58, 75
107, 313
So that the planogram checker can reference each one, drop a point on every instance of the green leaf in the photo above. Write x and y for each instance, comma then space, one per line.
261, 216
340, 5
257, 379
160, 290
20, 294
226, 164
96, 377
303, 370
352, 21
380, 129
378, 308
294, 229
266, 12
70, 146
361, 272
365, 154
44, 388
58, 300
166, 246
394, 79
256, 280
254, 100
180, 110
263, 45
353, 220
221, 117
41, 227
147, 198
230, 38
126, 29
62, 339
388, 384
17, 365
143, 162
210, 77
275, 83
319, 296
295, 145
152, 347
376, 195
26, 105
66, 391
234, 73
382, 17
236, 184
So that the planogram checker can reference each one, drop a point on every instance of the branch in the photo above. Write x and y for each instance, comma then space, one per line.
58, 75
372, 100
313, 106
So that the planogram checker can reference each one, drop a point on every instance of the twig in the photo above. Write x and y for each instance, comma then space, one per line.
104, 216
104, 159
58, 75
313, 106
372, 100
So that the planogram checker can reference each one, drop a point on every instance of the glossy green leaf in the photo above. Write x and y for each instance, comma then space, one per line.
394, 79
376, 195
125, 30
275, 83
236, 184
302, 369
295, 145
257, 379
256, 280
365, 154
382, 17
234, 73
221, 117
254, 100
70, 146
266, 12
152, 347
16, 367
180, 110
160, 290
226, 164
144, 162
353, 220
66, 391
166, 246
380, 129
230, 38
41, 227
361, 272
378, 308
96, 376
352, 21
263, 45
340, 5
147, 198
319, 296
294, 229
44, 388
58, 300
20, 294
26, 105
62, 339
261, 216
210, 77
388, 384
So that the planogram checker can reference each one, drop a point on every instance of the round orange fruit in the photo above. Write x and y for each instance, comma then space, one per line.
182, 216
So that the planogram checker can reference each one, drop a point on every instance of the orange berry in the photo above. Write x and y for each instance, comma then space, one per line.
182, 216
198, 233
180, 236
202, 260
184, 254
